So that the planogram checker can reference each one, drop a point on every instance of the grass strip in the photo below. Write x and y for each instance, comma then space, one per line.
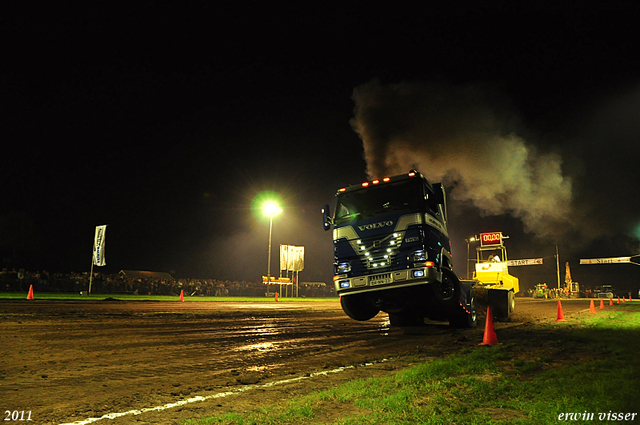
585, 366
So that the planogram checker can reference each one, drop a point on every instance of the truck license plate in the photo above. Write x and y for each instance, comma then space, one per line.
380, 281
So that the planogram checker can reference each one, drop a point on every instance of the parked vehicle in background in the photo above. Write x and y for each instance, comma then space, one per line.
605, 291
541, 291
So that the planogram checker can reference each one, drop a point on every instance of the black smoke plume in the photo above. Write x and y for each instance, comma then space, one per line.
465, 136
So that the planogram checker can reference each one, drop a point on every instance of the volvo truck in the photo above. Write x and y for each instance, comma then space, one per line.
392, 253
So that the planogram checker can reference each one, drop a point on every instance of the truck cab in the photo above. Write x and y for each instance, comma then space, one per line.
392, 252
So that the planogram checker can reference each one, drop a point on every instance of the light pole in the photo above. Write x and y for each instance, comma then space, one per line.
471, 239
270, 209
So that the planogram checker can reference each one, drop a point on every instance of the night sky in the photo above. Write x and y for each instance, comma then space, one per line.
165, 120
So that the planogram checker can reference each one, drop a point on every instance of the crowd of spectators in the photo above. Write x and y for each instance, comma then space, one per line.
20, 280
564, 292
552, 293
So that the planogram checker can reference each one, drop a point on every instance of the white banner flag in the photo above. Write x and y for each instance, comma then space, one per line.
98, 246
295, 258
284, 255
296, 254
291, 258
527, 262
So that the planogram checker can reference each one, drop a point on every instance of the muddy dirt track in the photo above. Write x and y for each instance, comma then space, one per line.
69, 361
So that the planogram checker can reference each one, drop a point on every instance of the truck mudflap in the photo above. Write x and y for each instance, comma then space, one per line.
465, 315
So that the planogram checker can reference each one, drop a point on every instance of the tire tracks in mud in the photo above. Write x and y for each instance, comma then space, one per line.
70, 361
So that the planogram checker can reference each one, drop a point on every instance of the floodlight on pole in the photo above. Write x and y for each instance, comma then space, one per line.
270, 209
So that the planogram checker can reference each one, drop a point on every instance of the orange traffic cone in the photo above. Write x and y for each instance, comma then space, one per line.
624, 300
182, 295
276, 297
629, 297
30, 294
610, 302
560, 314
592, 307
601, 304
618, 300
490, 337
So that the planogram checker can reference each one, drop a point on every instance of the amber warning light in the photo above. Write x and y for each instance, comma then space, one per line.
377, 181
489, 239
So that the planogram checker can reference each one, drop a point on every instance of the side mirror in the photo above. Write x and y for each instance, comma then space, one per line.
441, 198
327, 221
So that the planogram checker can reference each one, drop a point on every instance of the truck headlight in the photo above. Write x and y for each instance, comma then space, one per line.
344, 283
344, 267
417, 273
420, 255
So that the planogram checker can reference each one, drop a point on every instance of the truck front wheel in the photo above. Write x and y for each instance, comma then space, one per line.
358, 307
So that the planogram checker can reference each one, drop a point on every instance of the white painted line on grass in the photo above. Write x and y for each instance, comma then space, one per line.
212, 396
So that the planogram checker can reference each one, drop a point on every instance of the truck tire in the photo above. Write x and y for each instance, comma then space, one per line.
358, 307
464, 319
405, 319
447, 292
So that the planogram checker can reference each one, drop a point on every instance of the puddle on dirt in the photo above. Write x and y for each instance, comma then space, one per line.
384, 327
263, 368
261, 347
269, 329
258, 331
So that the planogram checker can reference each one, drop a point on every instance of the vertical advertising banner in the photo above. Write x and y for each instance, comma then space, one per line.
291, 258
284, 255
98, 246
296, 258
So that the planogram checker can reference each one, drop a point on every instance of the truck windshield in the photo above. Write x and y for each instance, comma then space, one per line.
379, 200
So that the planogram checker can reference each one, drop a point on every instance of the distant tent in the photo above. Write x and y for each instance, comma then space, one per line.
146, 274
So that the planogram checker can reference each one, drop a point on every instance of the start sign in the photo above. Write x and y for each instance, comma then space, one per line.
491, 239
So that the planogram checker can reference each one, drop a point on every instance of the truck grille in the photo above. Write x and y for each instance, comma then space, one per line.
381, 253
380, 259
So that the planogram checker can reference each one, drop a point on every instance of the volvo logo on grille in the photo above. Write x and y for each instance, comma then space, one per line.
375, 225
